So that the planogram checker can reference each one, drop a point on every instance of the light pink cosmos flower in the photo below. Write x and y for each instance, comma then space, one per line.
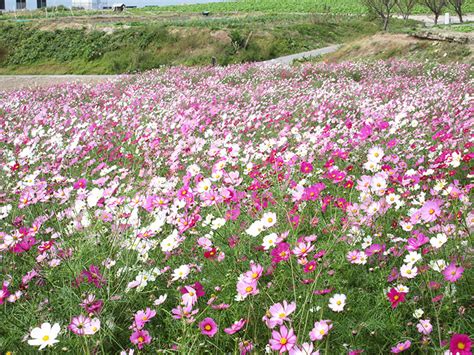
430, 210
424, 326
79, 324
320, 330
235, 327
208, 327
280, 313
401, 347
283, 340
304, 349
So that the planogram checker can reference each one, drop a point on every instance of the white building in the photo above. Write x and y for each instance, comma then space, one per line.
13, 5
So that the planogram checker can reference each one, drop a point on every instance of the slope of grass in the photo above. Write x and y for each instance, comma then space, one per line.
144, 46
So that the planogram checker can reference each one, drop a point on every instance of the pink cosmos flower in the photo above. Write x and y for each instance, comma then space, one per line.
255, 272
143, 317
208, 327
401, 347
320, 330
4, 293
184, 312
140, 337
283, 340
460, 344
246, 288
452, 273
235, 327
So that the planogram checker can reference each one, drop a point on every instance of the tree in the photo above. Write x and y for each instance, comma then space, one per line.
457, 5
405, 7
436, 7
383, 8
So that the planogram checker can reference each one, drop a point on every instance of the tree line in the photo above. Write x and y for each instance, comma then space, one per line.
385, 8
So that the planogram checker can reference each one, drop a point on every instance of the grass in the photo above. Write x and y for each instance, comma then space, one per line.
398, 46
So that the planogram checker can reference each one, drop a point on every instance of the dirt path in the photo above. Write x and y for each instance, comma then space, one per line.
287, 60
12, 82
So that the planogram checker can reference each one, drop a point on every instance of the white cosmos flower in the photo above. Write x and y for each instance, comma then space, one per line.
45, 335
204, 185
337, 302
269, 241
402, 288
160, 300
412, 257
375, 154
255, 228
438, 265
409, 271
217, 223
392, 198
418, 313
181, 273
438, 241
269, 219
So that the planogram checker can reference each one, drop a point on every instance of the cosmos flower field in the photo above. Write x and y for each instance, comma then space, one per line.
323, 209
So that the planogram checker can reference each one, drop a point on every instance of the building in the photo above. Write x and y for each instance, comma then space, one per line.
13, 5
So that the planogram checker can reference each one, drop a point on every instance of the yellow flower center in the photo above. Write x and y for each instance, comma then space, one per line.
249, 289
322, 332
207, 327
283, 341
338, 303
461, 346
46, 338
282, 315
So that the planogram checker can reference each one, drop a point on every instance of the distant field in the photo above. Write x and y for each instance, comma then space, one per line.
330, 6
242, 6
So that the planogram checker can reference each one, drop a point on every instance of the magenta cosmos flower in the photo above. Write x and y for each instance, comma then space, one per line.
94, 276
396, 297
460, 344
208, 327
80, 184
452, 273
284, 340
140, 337
306, 167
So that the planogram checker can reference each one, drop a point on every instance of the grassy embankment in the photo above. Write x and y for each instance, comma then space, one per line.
140, 39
